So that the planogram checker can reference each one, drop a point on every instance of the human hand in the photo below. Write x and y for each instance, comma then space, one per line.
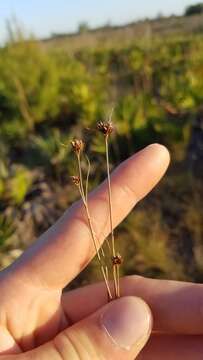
37, 321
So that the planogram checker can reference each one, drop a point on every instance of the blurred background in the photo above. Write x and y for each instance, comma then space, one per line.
62, 68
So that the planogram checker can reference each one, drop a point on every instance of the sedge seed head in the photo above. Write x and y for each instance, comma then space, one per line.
117, 260
77, 145
105, 128
75, 180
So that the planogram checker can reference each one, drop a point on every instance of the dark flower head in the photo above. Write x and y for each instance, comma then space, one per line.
117, 260
75, 180
77, 145
105, 127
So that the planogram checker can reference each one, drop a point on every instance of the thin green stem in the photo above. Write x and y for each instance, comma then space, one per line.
118, 280
87, 178
84, 197
109, 196
100, 247
90, 223
97, 252
115, 281
105, 274
80, 175
115, 267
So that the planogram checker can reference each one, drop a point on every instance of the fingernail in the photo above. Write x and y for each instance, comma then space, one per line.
127, 321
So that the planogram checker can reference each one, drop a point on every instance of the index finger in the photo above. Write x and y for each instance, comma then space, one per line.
177, 307
64, 250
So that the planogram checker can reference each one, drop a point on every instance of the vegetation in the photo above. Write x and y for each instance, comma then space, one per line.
47, 95
83, 27
194, 9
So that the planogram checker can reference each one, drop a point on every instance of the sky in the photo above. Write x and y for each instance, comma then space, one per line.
44, 17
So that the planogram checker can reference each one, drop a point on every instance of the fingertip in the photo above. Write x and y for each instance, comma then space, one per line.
145, 168
161, 151
128, 322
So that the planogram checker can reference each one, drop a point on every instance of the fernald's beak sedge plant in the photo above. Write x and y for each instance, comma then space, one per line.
78, 146
106, 128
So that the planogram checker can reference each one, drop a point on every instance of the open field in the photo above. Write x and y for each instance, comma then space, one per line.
124, 35
47, 97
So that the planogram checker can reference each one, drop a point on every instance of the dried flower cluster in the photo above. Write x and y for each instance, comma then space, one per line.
105, 127
75, 180
78, 146
117, 260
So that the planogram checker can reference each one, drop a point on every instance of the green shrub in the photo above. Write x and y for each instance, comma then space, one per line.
29, 83
194, 9
6, 229
147, 246
18, 184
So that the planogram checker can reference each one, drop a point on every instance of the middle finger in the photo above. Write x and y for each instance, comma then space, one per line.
166, 347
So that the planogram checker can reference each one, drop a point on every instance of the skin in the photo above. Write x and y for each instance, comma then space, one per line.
38, 321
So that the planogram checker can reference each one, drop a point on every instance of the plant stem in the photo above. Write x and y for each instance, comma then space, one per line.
100, 247
80, 176
115, 273
118, 280
87, 178
109, 196
104, 271
105, 275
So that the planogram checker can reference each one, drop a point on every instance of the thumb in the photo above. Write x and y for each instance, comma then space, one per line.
117, 331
